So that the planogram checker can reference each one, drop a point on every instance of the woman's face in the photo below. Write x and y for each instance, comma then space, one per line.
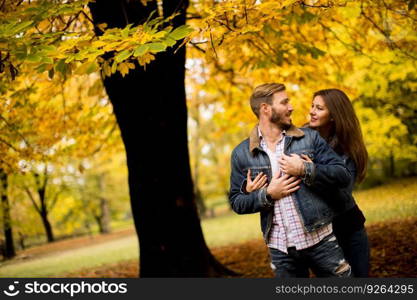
319, 113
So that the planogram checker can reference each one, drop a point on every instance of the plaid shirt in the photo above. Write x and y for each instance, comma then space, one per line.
287, 227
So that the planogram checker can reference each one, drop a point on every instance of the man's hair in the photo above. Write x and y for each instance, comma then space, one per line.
263, 94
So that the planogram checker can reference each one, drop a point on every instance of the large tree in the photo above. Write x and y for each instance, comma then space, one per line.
150, 107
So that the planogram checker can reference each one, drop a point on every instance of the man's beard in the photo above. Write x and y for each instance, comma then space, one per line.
277, 119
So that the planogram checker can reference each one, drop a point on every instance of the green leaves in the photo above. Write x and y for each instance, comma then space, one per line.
142, 49
61, 67
181, 32
13, 28
306, 17
123, 55
34, 57
304, 49
316, 52
31, 34
21, 52
157, 47
18, 28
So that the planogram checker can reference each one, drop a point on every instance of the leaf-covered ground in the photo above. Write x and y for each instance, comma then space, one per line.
393, 254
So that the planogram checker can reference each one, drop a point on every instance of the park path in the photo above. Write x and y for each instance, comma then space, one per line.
70, 244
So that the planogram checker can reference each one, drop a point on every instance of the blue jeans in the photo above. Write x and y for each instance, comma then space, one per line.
355, 246
325, 259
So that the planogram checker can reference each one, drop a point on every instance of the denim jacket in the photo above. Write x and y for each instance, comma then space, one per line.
327, 170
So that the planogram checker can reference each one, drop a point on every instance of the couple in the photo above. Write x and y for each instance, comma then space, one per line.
301, 181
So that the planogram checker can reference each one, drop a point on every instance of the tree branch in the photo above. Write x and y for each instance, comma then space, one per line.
15, 130
8, 164
55, 199
9, 145
302, 3
32, 199
391, 43
195, 45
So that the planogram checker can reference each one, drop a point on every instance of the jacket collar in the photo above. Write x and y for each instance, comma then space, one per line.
255, 141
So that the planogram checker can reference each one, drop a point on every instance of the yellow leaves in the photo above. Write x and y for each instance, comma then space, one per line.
252, 28
144, 2
102, 26
145, 59
275, 5
350, 11
106, 68
383, 133
141, 36
49, 42
86, 68
124, 67
122, 56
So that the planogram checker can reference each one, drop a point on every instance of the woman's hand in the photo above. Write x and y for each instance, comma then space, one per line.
306, 158
258, 183
292, 164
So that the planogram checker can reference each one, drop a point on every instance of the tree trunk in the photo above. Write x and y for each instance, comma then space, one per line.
9, 250
43, 211
151, 112
104, 218
47, 226
391, 165
201, 206
198, 197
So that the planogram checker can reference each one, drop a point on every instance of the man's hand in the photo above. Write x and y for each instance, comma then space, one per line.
258, 183
282, 186
292, 165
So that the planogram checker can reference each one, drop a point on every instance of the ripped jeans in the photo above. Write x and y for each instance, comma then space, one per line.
325, 259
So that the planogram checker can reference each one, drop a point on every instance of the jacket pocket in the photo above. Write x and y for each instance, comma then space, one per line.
254, 171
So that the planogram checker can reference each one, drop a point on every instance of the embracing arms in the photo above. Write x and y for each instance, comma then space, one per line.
327, 170
251, 196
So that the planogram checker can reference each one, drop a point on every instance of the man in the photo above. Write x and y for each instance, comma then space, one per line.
295, 216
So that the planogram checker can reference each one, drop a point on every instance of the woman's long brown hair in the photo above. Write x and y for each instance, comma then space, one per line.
346, 131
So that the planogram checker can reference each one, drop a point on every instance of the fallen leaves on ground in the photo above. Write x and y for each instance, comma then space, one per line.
393, 254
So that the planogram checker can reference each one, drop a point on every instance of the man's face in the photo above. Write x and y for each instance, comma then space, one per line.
281, 110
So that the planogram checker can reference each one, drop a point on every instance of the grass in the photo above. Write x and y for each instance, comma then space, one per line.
86, 257
217, 232
396, 200
231, 229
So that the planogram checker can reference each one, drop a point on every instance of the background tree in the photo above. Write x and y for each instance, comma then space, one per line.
43, 204
7, 246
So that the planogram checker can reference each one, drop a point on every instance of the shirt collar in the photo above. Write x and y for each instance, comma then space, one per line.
261, 137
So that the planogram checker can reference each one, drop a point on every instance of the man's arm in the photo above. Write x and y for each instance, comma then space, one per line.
328, 169
326, 172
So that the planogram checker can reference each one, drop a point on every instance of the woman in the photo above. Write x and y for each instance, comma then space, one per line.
333, 116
